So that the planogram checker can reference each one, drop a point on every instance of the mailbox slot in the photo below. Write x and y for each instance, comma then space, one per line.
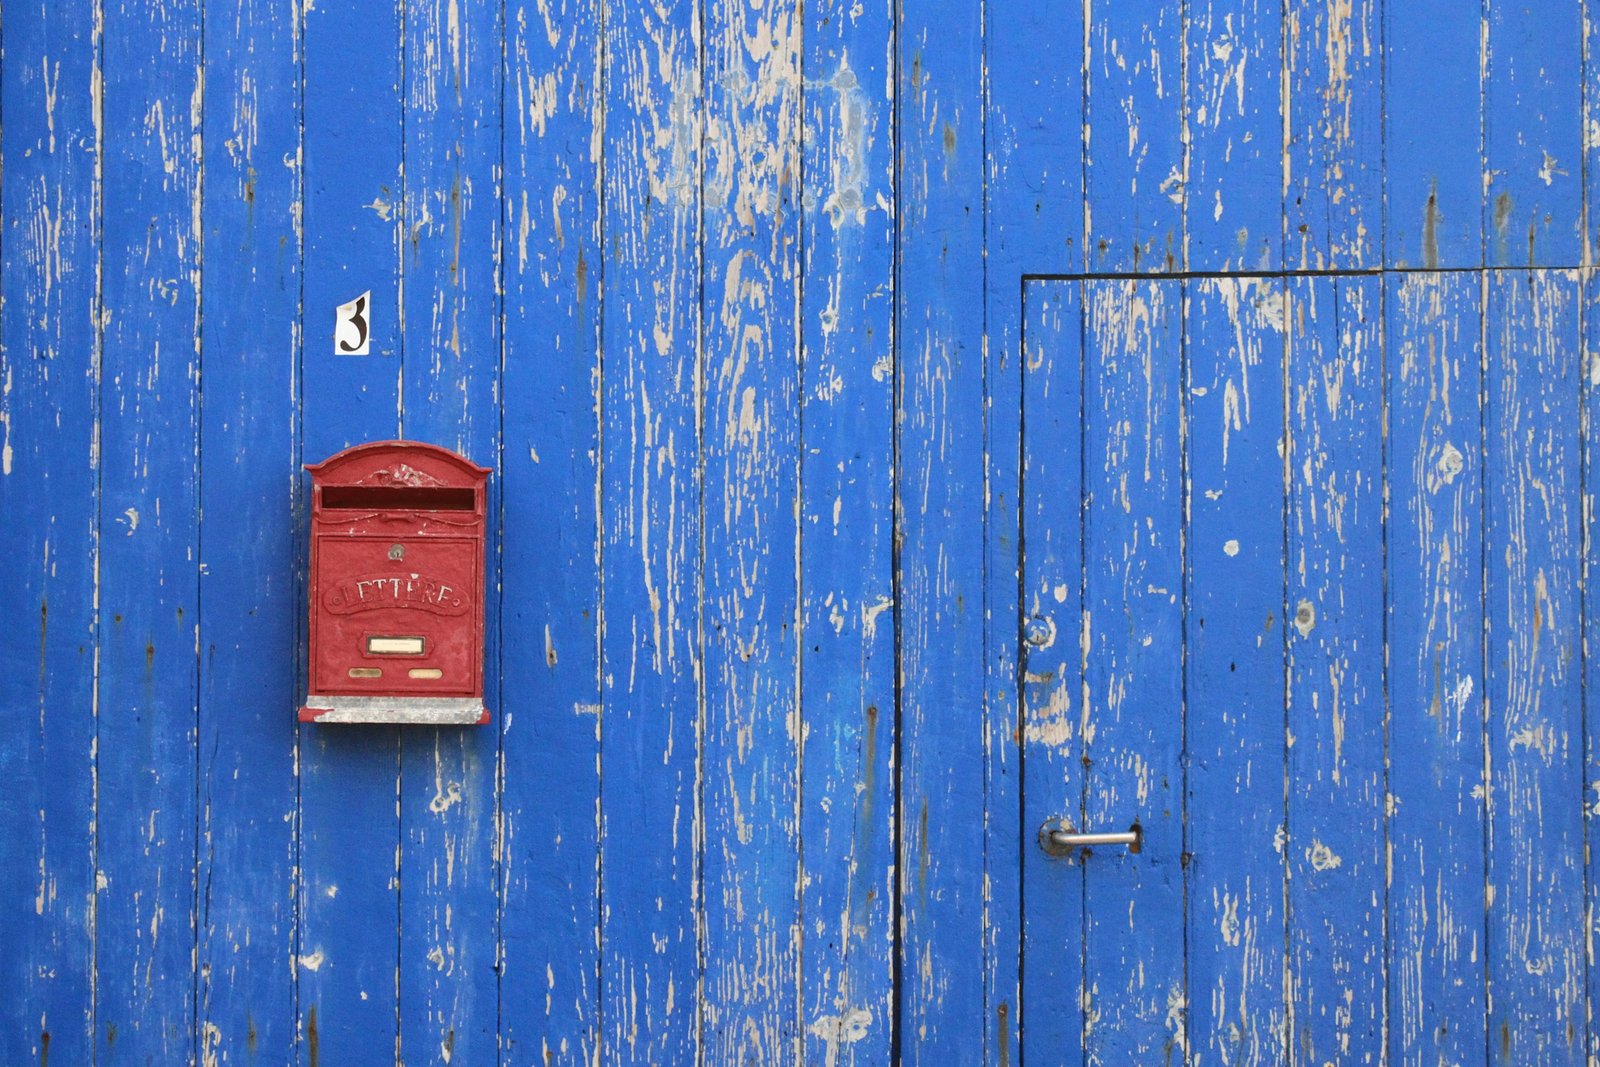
405, 498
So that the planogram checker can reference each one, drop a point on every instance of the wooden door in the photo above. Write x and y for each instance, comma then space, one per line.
1299, 605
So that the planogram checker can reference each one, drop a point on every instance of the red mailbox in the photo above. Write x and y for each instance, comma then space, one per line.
396, 596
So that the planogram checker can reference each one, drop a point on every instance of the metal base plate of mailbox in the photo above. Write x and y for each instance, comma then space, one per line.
430, 711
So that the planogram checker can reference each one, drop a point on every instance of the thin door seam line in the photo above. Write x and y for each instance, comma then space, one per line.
1346, 272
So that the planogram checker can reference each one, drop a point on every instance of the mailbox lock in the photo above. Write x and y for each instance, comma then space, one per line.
397, 552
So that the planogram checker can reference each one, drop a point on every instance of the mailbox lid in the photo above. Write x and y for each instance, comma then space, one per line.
396, 476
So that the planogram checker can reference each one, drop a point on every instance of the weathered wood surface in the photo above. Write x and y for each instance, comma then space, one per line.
1435, 579
1535, 940
451, 383
939, 475
1051, 661
150, 257
1334, 629
1131, 640
1236, 658
909, 422
50, 530
651, 660
847, 648
348, 1000
547, 840
250, 595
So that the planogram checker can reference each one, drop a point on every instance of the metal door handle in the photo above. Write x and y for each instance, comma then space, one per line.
1058, 838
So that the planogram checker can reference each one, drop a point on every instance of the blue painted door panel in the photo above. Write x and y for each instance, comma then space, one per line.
1228, 640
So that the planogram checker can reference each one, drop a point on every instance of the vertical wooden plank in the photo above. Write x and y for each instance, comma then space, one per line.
750, 510
1053, 689
846, 514
1233, 96
1536, 872
651, 550
1335, 846
1033, 134
450, 396
1133, 133
1133, 698
1533, 141
1434, 561
1034, 129
1133, 672
1590, 458
1333, 200
550, 568
349, 776
1235, 672
249, 594
1589, 115
941, 563
1433, 156
49, 486
151, 258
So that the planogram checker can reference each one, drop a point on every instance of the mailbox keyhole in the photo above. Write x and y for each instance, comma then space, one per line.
397, 551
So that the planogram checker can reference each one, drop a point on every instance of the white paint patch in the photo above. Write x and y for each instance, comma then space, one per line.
1305, 618
1450, 463
1271, 309
1550, 169
1230, 547
846, 203
870, 613
1321, 857
312, 962
445, 797
1052, 725
845, 1028
6, 453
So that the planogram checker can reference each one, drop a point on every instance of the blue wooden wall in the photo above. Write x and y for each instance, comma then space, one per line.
911, 420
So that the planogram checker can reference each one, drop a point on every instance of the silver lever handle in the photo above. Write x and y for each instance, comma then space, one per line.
1063, 839
1058, 838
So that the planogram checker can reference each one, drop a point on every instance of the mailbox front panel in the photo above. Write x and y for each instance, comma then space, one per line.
397, 615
